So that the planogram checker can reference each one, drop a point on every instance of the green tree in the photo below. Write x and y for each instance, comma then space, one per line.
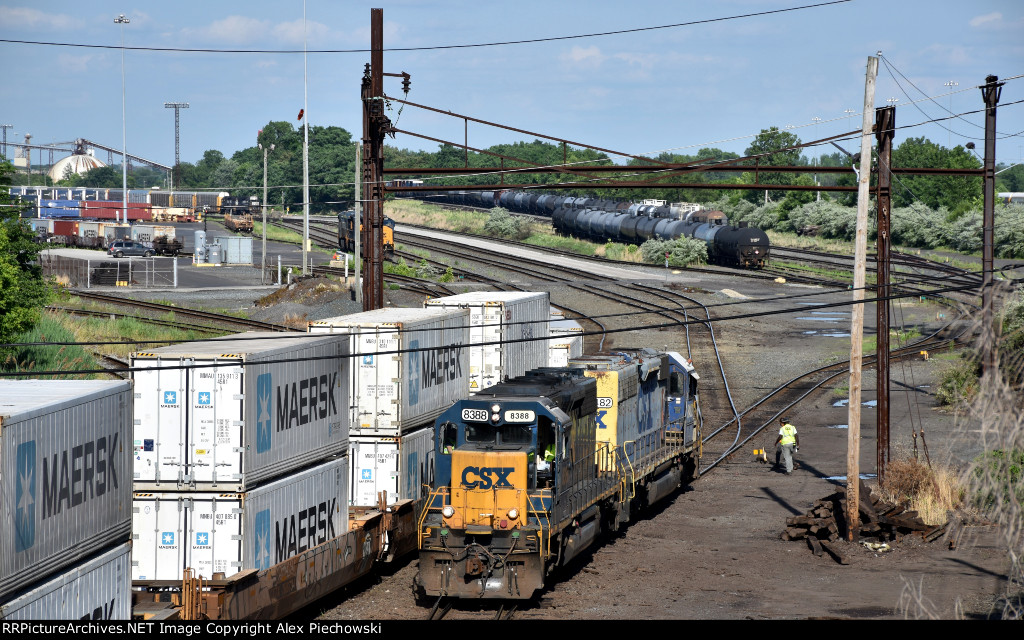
773, 147
22, 290
958, 194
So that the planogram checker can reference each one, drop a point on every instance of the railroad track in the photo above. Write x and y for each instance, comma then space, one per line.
184, 326
231, 321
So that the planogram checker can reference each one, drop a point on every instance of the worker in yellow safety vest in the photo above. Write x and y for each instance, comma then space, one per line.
786, 444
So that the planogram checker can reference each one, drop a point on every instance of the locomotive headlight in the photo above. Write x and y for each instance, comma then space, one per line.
448, 511
495, 417
513, 513
495, 408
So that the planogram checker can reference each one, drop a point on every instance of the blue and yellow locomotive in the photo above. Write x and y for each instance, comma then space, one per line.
532, 470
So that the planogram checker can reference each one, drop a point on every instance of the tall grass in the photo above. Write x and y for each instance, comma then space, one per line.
51, 358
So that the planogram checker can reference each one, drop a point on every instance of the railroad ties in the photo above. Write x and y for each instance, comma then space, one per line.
824, 526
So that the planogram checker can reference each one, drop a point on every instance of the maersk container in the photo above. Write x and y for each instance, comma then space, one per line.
232, 532
396, 392
566, 341
146, 233
100, 588
233, 412
403, 466
65, 484
508, 331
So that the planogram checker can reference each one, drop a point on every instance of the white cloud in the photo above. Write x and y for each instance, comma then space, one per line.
34, 19
584, 57
231, 30
292, 32
995, 16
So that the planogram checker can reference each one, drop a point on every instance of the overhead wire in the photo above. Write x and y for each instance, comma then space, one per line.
441, 47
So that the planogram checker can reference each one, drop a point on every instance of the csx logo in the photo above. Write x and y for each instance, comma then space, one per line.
486, 477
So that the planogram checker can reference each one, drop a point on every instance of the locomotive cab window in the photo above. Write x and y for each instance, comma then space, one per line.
496, 436
677, 384
449, 437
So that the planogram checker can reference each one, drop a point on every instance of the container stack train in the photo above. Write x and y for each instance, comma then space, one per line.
603, 220
292, 465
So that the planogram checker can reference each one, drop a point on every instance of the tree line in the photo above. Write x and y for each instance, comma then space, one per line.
332, 154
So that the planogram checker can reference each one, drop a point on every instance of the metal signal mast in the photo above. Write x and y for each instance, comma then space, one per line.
177, 146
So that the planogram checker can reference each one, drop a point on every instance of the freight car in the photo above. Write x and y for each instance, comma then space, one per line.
346, 240
531, 471
629, 222
241, 222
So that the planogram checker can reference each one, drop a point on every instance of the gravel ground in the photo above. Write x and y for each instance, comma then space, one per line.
713, 551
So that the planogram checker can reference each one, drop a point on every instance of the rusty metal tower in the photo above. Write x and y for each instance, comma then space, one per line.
177, 106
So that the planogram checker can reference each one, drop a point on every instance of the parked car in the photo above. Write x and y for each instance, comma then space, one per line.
123, 248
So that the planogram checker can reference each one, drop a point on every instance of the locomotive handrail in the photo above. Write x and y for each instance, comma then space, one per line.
545, 526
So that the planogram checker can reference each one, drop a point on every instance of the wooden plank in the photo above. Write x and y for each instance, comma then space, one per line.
833, 550
815, 545
796, 534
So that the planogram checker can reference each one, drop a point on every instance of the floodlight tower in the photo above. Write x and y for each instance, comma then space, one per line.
177, 147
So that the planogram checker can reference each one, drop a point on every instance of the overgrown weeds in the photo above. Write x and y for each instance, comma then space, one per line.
931, 490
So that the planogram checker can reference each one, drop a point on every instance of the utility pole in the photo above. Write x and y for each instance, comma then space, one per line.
375, 125
263, 271
5, 127
990, 93
885, 129
357, 224
176, 180
949, 132
305, 150
857, 322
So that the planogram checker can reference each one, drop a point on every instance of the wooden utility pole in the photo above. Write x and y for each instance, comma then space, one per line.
375, 126
857, 326
885, 129
990, 93
357, 224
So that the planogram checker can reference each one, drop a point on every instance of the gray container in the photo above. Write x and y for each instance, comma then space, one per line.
566, 341
65, 484
507, 333
230, 413
232, 532
214, 255
235, 249
100, 588
397, 392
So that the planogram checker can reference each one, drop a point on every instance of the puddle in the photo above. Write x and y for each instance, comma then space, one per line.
870, 403
863, 476
837, 426
811, 304
841, 403
830, 313
924, 386
819, 319
826, 334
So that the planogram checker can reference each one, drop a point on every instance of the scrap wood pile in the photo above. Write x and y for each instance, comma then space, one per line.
880, 523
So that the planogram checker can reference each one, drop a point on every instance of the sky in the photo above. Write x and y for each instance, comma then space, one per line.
715, 82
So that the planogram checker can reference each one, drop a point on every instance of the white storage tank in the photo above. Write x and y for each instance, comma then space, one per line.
229, 413
231, 532
507, 333
100, 588
401, 466
409, 365
65, 483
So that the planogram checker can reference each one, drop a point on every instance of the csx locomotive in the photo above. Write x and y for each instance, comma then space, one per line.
532, 470
347, 242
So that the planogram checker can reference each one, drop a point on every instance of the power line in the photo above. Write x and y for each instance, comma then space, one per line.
439, 47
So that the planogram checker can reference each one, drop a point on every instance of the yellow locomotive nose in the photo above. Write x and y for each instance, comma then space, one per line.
488, 489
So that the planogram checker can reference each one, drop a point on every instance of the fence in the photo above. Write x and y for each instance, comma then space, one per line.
123, 272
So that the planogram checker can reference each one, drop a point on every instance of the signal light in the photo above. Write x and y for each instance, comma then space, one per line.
448, 511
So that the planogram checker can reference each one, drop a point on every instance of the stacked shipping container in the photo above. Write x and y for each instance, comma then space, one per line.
410, 365
240, 452
65, 495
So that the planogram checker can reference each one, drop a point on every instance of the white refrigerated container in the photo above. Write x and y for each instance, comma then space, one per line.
508, 331
65, 483
409, 365
400, 465
231, 532
230, 413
